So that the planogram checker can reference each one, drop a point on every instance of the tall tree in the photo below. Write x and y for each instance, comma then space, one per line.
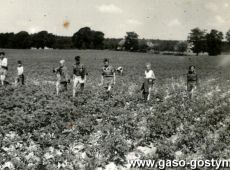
22, 40
228, 36
214, 42
131, 41
98, 39
198, 39
83, 38
181, 47
43, 39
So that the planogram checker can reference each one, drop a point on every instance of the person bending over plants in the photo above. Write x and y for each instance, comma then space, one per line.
108, 76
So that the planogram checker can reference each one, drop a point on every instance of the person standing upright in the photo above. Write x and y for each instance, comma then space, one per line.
20, 74
108, 76
62, 77
79, 75
3, 67
192, 80
148, 82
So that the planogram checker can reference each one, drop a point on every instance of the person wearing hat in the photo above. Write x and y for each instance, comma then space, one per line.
108, 76
79, 75
3, 67
62, 77
20, 74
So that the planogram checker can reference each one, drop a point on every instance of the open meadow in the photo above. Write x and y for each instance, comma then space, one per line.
40, 130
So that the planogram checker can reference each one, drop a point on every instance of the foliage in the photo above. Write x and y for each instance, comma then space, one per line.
86, 38
214, 40
39, 130
131, 41
228, 36
43, 39
181, 47
198, 39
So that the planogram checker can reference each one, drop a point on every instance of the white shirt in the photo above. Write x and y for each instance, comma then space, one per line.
149, 74
20, 70
4, 62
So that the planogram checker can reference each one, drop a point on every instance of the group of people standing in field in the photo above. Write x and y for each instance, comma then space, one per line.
108, 76
4, 69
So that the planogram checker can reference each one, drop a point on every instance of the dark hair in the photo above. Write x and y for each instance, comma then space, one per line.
2, 53
106, 60
189, 68
19, 62
77, 58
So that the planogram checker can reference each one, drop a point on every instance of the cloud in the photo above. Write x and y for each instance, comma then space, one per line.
111, 8
211, 6
225, 5
33, 30
220, 19
134, 22
174, 22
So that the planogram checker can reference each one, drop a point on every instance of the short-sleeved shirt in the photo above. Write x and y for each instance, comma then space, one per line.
79, 70
108, 71
4, 63
149, 74
20, 70
192, 77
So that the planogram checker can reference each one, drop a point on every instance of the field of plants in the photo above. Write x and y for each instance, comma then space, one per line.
42, 131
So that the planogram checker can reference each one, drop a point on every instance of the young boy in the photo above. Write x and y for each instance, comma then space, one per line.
192, 80
108, 76
148, 82
79, 75
62, 76
3, 68
20, 74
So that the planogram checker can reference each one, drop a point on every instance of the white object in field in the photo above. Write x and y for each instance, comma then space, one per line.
8, 165
149, 74
179, 155
4, 62
119, 69
49, 82
111, 166
147, 150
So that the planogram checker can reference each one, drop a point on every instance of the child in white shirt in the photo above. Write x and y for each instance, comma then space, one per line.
148, 82
3, 68
20, 74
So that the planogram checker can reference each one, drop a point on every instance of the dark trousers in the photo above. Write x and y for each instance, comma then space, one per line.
21, 79
64, 85
145, 88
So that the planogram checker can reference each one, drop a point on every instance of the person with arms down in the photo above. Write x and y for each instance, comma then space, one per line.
20, 79
148, 82
79, 75
3, 68
192, 81
62, 77
108, 76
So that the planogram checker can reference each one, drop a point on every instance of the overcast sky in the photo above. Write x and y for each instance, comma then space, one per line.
163, 19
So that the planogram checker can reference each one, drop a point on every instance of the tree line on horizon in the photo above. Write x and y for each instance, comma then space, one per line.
199, 41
